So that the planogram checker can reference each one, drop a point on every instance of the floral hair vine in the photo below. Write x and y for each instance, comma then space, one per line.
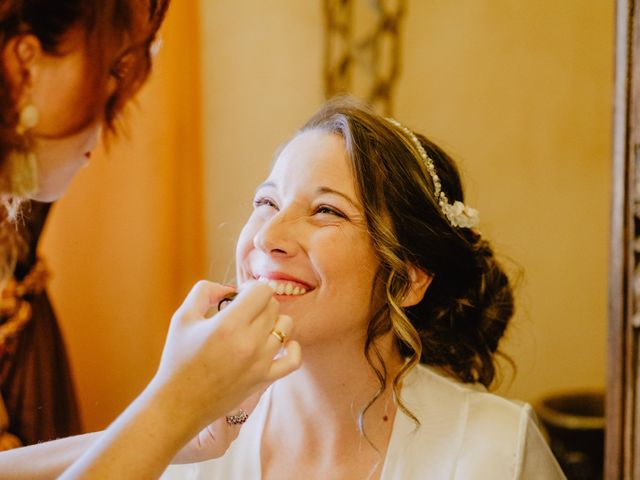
457, 213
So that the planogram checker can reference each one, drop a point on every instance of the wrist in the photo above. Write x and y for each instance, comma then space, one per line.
185, 412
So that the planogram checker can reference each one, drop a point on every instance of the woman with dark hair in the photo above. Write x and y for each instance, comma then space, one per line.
363, 231
67, 70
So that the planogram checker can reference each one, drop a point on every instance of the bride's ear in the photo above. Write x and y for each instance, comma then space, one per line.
420, 281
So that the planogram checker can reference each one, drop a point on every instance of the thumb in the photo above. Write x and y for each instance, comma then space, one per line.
203, 295
285, 364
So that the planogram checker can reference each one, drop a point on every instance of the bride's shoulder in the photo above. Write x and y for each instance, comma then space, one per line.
483, 434
471, 403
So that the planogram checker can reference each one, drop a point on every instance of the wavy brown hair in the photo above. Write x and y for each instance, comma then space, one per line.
118, 35
463, 315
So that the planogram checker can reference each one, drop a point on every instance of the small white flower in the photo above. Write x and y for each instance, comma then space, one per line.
460, 215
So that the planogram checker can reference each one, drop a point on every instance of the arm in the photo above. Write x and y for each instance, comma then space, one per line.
140, 443
44, 460
195, 383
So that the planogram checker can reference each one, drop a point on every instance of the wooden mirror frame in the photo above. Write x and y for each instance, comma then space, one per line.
622, 450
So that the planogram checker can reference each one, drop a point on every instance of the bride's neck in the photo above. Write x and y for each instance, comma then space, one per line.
313, 421
333, 386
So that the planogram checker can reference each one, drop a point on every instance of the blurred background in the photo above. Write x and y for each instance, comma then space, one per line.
520, 93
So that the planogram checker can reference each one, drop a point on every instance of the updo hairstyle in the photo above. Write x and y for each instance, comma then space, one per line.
463, 315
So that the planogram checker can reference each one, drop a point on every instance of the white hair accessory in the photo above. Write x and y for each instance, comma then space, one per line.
457, 213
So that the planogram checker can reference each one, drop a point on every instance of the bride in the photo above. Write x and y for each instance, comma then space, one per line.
399, 306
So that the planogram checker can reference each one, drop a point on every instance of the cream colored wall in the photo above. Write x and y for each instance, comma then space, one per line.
519, 92
262, 78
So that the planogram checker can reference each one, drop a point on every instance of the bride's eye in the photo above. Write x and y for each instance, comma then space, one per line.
328, 210
264, 202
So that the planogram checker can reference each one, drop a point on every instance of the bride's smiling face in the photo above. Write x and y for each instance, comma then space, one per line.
308, 236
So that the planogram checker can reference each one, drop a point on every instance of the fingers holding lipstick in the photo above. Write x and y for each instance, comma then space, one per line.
201, 298
275, 329
254, 303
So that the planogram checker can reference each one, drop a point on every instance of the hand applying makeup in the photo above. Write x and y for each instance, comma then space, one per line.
213, 441
209, 368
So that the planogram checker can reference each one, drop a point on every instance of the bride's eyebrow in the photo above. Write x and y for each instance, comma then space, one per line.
321, 190
264, 185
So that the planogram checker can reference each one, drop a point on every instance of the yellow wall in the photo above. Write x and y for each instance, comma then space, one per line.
519, 92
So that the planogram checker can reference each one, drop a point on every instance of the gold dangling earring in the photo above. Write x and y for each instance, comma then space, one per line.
28, 118
21, 165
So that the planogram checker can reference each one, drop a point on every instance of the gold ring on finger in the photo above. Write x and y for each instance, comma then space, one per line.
279, 335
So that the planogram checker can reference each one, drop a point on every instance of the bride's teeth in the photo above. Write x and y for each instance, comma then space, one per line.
285, 288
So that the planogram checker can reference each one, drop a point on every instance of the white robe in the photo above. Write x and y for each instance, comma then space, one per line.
464, 433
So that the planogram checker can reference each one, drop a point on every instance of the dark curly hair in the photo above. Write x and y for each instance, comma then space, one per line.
118, 35
464, 313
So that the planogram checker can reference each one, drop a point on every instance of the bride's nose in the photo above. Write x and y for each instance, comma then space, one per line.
278, 235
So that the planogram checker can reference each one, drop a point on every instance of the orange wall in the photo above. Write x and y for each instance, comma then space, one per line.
126, 242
